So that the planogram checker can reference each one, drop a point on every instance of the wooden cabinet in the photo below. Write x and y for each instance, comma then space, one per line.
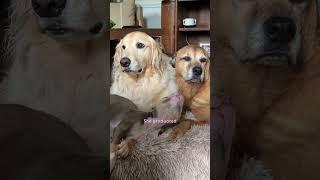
175, 35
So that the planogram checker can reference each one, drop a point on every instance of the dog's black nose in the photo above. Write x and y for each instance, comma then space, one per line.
280, 29
125, 62
197, 71
48, 8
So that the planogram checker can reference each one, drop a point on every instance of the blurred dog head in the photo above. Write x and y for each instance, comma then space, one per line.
266, 31
61, 19
192, 64
137, 52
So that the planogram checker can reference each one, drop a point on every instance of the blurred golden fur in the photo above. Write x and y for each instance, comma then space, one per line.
61, 75
277, 118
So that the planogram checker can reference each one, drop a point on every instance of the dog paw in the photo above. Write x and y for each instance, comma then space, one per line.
164, 128
125, 147
180, 129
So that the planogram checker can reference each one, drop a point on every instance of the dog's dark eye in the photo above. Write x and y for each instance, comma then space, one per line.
203, 60
140, 45
123, 47
187, 58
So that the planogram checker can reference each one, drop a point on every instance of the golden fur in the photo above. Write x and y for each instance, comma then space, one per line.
63, 75
196, 91
276, 105
156, 78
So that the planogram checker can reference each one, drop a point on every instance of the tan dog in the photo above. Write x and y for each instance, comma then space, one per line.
265, 59
192, 65
57, 53
140, 74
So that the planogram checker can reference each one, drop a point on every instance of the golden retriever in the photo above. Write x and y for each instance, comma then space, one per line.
267, 59
57, 50
192, 64
140, 73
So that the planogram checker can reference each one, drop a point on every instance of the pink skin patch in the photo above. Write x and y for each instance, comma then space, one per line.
176, 100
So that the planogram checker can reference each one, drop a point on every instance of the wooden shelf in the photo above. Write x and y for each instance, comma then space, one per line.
116, 34
175, 35
192, 29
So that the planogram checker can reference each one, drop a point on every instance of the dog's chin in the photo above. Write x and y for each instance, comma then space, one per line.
271, 59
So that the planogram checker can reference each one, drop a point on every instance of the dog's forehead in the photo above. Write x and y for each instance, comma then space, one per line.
265, 2
192, 51
273, 6
137, 37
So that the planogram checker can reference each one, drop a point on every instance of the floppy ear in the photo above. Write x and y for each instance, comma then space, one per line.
207, 67
158, 40
118, 52
173, 60
156, 56
207, 71
117, 55
169, 59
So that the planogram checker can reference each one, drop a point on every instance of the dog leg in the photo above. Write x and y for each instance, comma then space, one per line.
113, 158
184, 126
164, 128
125, 147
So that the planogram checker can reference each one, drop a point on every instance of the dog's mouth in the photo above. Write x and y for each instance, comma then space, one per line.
58, 30
127, 70
196, 80
272, 58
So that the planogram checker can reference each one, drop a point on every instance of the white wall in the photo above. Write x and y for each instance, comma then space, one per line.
151, 12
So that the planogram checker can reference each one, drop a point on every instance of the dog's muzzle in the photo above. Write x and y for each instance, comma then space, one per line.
197, 71
196, 74
279, 33
125, 64
279, 30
